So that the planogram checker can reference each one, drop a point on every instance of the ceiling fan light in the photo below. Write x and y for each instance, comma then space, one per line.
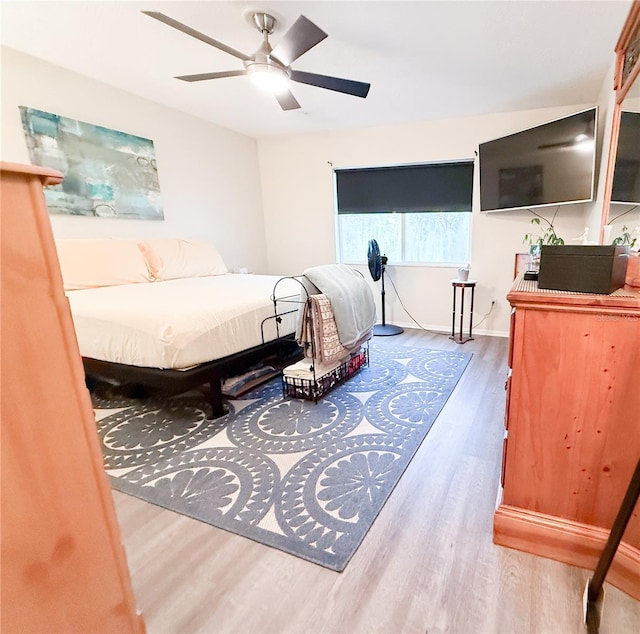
269, 78
586, 145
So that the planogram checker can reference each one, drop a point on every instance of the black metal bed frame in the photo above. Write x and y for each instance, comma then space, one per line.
177, 381
211, 372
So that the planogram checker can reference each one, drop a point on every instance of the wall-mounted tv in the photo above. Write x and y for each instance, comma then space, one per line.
626, 175
549, 164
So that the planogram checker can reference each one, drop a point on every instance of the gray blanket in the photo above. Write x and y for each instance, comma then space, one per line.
351, 299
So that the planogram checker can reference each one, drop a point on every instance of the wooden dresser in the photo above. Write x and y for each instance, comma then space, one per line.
63, 566
572, 427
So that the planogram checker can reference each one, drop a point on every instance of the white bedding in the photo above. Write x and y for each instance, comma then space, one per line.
178, 323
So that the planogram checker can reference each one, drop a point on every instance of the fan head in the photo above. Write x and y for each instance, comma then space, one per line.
375, 260
268, 67
264, 70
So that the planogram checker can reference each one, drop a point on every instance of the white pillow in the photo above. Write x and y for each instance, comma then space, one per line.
95, 262
171, 258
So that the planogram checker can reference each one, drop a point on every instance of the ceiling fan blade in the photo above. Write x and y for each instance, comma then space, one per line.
193, 33
552, 146
203, 76
348, 86
302, 36
286, 100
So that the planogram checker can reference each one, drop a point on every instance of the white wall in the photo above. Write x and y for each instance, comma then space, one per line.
269, 205
298, 198
209, 180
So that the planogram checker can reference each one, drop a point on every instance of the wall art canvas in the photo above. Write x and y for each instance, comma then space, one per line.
107, 173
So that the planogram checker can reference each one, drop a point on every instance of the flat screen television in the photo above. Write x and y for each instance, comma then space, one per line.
626, 174
549, 164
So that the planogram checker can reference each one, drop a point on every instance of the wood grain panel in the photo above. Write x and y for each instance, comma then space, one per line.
507, 400
574, 428
512, 328
570, 542
63, 567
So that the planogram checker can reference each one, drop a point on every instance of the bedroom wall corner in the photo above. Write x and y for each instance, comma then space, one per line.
298, 195
209, 176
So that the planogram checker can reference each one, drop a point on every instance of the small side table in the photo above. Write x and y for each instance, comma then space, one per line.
462, 285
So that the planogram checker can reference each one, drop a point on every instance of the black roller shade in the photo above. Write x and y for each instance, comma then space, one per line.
406, 189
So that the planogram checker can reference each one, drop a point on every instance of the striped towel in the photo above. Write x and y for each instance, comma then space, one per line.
319, 334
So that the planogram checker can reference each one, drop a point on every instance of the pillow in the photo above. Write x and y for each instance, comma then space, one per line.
91, 263
171, 258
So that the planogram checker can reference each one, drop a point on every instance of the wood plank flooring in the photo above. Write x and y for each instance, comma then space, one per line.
427, 565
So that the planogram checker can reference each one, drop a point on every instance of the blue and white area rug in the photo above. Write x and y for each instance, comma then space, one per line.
307, 478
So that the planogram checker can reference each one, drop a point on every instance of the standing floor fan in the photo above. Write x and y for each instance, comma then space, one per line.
377, 264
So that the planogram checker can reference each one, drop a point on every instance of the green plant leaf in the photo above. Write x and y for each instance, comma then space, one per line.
548, 237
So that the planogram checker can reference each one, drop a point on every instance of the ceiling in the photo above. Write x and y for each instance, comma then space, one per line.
424, 59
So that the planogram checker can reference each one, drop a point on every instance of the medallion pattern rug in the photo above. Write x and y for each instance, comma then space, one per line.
307, 478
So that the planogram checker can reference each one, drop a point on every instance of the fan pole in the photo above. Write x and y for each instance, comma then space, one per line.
384, 329
383, 293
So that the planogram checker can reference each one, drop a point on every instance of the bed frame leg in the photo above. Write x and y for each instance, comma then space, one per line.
215, 398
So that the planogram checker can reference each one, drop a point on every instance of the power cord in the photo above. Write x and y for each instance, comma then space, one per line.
493, 303
435, 332
624, 213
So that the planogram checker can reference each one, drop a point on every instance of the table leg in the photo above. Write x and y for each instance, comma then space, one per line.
473, 290
453, 316
461, 312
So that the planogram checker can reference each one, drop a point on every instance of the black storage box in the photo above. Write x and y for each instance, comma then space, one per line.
584, 269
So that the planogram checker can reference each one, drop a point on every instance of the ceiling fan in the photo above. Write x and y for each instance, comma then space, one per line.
581, 141
270, 67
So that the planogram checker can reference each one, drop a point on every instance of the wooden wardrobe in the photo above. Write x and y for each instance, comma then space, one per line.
572, 427
63, 565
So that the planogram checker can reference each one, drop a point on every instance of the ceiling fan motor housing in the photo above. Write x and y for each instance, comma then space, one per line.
264, 22
261, 61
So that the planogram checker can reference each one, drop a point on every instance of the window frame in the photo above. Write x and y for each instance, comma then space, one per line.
338, 249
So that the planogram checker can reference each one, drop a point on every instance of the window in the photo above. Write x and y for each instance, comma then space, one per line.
417, 213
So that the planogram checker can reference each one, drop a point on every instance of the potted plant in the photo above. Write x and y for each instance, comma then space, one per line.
630, 239
619, 240
535, 241
627, 238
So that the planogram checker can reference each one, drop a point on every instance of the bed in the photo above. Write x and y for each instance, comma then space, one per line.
167, 313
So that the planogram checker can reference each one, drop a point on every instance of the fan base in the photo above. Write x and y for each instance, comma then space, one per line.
386, 330
264, 22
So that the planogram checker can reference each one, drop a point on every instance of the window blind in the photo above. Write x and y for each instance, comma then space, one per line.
433, 187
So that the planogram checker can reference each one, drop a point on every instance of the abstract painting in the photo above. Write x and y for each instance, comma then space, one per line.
107, 173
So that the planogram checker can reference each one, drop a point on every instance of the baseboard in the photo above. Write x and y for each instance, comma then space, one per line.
567, 541
446, 330
491, 333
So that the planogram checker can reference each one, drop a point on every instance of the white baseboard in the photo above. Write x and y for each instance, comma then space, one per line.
446, 330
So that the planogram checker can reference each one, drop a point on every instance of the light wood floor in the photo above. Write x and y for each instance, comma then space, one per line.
428, 563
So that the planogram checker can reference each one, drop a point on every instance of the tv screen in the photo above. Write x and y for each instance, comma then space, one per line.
626, 175
549, 164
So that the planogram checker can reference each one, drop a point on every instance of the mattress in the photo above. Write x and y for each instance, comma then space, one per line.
179, 323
